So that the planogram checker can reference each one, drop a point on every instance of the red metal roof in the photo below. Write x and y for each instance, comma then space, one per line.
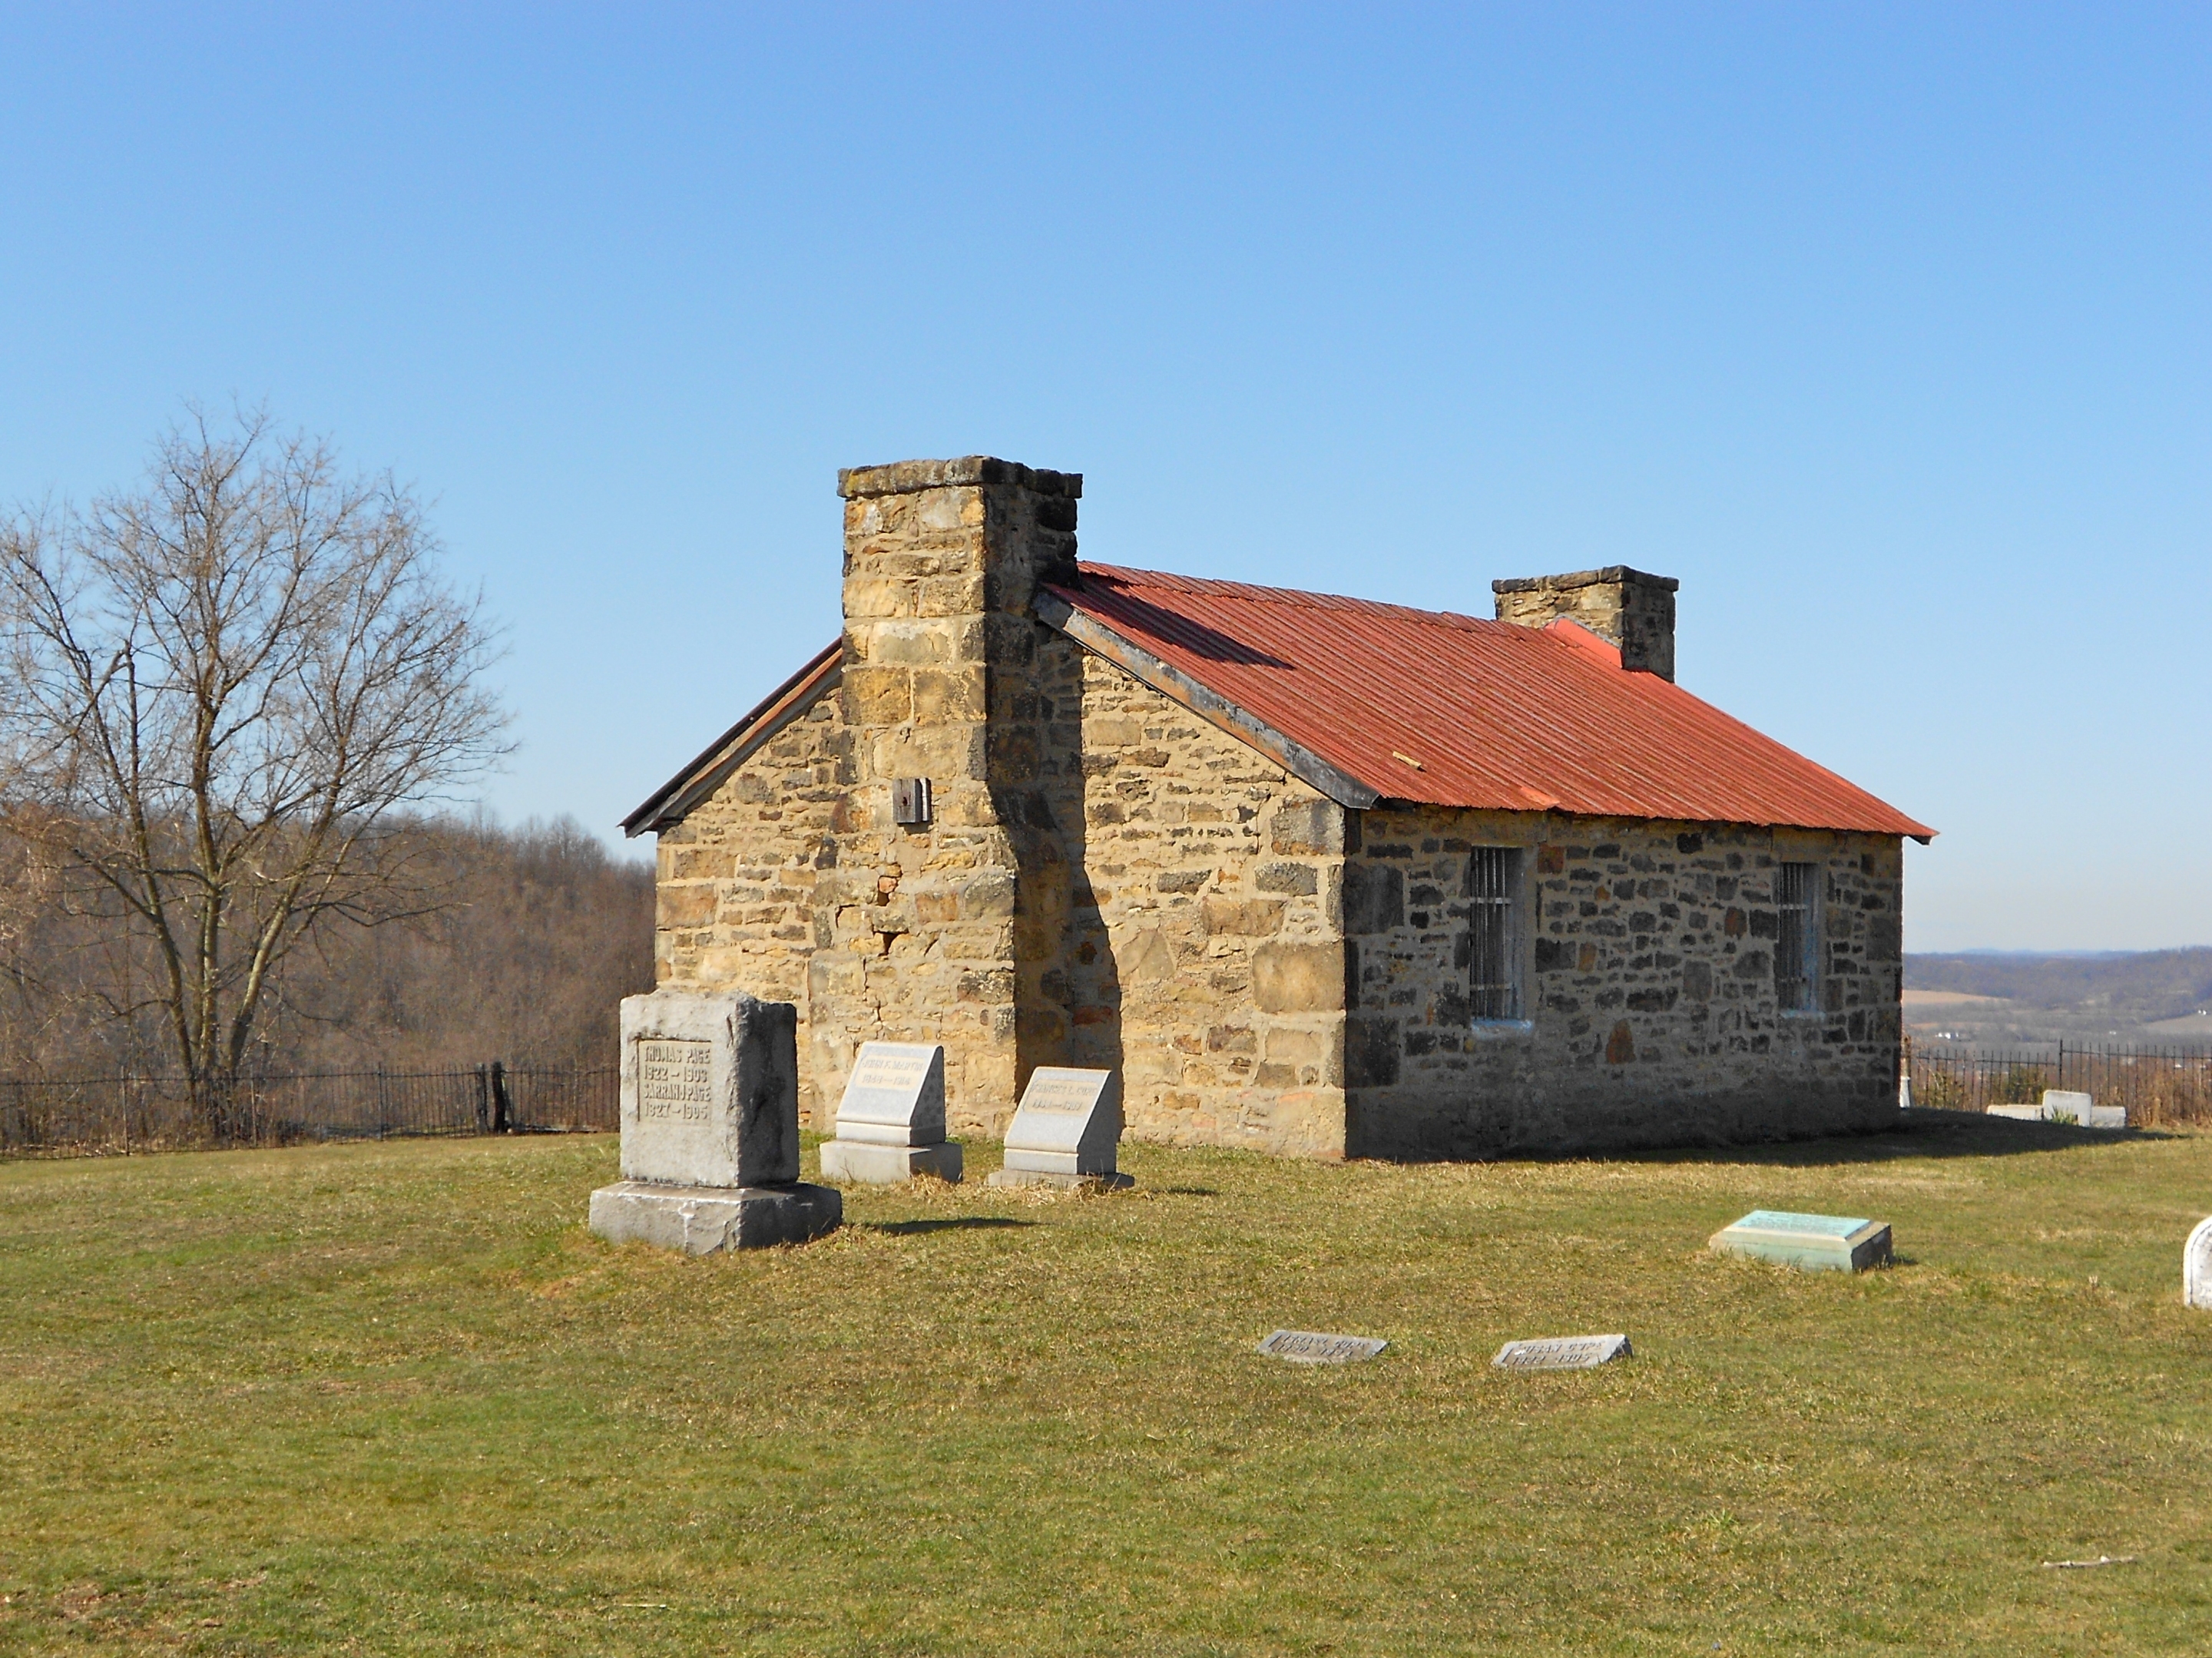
1495, 714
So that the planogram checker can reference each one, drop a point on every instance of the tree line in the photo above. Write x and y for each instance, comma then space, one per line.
531, 938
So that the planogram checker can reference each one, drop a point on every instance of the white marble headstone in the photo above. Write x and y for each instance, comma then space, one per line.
2196, 1267
709, 1090
894, 1096
1069, 1122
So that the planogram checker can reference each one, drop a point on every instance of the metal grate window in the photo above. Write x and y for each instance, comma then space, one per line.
1496, 991
1796, 959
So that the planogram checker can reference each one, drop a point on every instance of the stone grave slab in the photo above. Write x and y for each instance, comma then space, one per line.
2062, 1103
1312, 1347
710, 1128
2196, 1267
2065, 1106
1066, 1130
1563, 1353
1817, 1242
890, 1122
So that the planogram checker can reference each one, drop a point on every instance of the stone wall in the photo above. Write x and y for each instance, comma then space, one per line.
1205, 954
1164, 900
1647, 983
736, 893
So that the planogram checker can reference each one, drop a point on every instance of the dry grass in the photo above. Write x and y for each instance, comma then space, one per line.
393, 1398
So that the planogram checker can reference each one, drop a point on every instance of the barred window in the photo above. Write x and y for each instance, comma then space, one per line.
1493, 959
1796, 944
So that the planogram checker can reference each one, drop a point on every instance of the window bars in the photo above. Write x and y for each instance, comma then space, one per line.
1796, 944
1496, 992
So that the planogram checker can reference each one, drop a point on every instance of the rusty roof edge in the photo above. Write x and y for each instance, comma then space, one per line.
673, 800
1056, 610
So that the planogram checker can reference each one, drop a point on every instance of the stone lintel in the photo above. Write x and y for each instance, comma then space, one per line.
1610, 573
905, 478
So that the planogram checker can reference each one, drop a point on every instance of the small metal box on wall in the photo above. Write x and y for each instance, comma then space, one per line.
910, 801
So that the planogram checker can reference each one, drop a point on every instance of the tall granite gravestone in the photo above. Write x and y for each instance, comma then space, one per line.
890, 1123
710, 1128
1831, 1242
2196, 1267
1065, 1131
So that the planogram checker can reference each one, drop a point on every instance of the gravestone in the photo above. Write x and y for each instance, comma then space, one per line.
1563, 1353
2059, 1105
890, 1122
1311, 1347
1065, 1131
1818, 1242
2065, 1106
710, 1128
2196, 1267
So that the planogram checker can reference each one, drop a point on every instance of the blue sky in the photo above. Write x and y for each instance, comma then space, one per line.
1885, 328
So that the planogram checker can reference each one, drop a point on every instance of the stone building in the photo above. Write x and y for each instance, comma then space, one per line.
1319, 876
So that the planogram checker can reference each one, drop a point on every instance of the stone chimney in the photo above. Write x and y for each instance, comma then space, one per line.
942, 832
1622, 606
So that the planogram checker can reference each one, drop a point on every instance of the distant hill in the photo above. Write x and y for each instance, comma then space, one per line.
2162, 996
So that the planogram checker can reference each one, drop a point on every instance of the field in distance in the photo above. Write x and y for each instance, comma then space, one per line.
392, 1397
1998, 999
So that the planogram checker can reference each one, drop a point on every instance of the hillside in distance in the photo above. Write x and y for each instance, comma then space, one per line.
1992, 999
522, 945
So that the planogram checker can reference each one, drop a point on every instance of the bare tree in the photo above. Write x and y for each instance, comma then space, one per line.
220, 690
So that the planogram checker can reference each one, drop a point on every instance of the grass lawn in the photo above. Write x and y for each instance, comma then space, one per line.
393, 1398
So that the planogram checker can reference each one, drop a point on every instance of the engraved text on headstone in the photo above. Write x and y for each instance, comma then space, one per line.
673, 1080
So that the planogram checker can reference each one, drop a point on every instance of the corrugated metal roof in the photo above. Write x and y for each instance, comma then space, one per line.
1452, 711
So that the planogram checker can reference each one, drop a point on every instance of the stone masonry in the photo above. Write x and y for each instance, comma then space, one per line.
1622, 606
1109, 879
1206, 957
1649, 987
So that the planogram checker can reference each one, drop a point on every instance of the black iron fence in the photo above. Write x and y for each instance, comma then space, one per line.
107, 1114
2159, 1086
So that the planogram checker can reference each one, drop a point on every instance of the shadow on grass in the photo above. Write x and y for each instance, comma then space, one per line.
1922, 1133
1186, 1191
956, 1223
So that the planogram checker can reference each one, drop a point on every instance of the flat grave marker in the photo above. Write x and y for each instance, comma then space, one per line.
1563, 1353
1312, 1347
1816, 1242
